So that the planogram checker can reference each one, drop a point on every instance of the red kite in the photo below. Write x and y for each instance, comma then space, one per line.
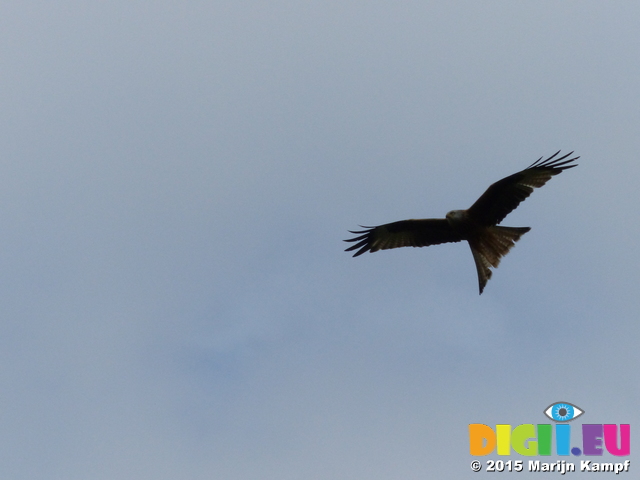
478, 225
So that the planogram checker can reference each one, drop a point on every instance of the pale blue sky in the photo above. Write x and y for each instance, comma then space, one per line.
176, 181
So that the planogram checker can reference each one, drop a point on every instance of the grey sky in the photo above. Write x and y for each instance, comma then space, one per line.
176, 181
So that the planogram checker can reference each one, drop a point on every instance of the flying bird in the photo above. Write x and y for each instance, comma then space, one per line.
478, 225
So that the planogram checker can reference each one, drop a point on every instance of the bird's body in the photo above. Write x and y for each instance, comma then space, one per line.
478, 225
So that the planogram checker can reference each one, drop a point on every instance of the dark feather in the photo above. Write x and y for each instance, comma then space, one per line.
405, 233
505, 195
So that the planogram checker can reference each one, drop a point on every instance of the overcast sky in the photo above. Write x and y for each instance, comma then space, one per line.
177, 179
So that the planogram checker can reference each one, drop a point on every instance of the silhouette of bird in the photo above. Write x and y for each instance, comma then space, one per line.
478, 225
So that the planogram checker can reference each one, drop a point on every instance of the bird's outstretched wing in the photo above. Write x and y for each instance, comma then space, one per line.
505, 195
405, 233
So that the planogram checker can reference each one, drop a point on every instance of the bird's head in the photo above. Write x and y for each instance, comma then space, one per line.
456, 216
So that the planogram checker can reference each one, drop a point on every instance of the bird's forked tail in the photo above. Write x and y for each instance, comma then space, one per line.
489, 247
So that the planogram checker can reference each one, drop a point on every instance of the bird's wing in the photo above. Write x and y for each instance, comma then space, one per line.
505, 195
406, 233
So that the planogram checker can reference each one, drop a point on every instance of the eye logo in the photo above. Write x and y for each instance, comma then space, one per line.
563, 412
